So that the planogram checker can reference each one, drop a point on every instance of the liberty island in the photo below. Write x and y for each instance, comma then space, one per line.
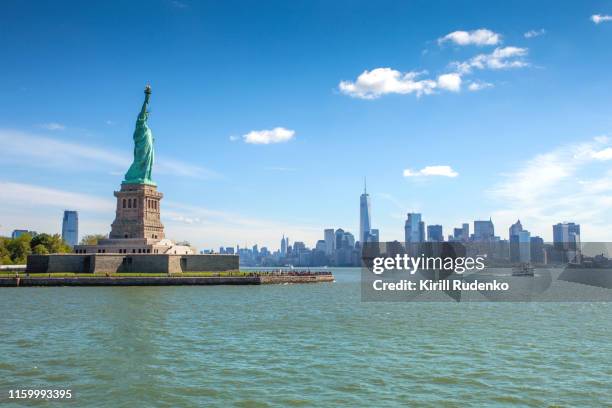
137, 227
137, 246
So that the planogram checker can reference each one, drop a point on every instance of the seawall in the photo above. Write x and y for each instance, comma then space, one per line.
162, 281
126, 263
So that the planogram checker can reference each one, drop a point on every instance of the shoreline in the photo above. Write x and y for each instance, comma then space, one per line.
20, 281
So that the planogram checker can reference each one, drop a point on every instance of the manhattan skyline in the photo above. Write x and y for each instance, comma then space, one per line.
265, 122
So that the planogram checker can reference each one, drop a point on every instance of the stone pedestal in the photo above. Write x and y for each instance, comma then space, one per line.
137, 228
137, 214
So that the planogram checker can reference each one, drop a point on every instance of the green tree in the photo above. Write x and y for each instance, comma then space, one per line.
54, 244
40, 249
5, 256
19, 248
92, 239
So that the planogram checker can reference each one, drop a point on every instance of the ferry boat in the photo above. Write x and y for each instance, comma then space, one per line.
523, 270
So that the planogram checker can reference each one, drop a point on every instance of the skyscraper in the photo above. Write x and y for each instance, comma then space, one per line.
330, 241
364, 215
19, 232
536, 246
515, 228
524, 239
513, 236
566, 240
321, 246
466, 231
339, 238
70, 227
414, 229
283, 248
484, 230
434, 233
566, 235
350, 240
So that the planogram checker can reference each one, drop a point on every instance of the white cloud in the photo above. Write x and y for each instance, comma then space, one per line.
234, 138
479, 37
427, 171
478, 86
276, 135
382, 81
559, 185
53, 152
450, 82
500, 58
52, 126
33, 150
598, 18
33, 196
372, 84
604, 154
534, 33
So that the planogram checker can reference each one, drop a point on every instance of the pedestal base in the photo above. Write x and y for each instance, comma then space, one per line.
138, 213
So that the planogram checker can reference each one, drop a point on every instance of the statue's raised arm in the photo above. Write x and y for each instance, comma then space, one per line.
145, 104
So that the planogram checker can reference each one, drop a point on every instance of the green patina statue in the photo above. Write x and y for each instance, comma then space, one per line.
140, 170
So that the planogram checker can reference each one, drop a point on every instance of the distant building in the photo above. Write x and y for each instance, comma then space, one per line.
566, 239
283, 246
321, 245
344, 240
465, 227
364, 215
19, 232
538, 253
299, 246
484, 231
374, 236
339, 239
513, 236
566, 235
461, 234
524, 239
457, 234
515, 228
70, 227
330, 241
434, 233
350, 239
414, 229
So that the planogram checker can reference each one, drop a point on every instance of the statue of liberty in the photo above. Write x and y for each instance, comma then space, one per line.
140, 170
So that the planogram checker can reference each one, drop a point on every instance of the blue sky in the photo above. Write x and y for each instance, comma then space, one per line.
449, 108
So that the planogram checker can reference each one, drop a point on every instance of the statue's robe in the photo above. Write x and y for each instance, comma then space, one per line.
140, 170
